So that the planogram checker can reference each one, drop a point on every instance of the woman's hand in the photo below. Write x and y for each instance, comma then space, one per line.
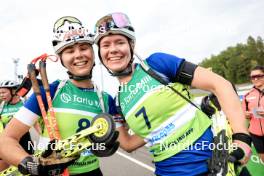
248, 114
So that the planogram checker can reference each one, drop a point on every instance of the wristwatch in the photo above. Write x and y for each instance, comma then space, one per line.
22, 167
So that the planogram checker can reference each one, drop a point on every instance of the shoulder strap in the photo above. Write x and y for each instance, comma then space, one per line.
156, 76
2, 106
61, 84
100, 97
22, 99
246, 102
117, 103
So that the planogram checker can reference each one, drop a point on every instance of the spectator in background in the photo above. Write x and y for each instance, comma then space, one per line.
253, 105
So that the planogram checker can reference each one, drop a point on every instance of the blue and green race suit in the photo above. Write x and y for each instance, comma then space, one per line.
170, 125
74, 110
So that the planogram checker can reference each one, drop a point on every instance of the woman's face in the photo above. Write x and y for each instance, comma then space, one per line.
257, 78
115, 52
78, 59
5, 94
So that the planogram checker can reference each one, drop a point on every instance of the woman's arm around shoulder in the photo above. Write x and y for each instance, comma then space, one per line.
127, 141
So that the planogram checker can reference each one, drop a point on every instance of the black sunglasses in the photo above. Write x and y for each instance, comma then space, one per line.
253, 77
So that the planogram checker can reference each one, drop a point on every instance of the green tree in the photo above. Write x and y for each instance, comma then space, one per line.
235, 62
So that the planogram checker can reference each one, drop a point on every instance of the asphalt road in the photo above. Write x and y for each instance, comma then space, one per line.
137, 163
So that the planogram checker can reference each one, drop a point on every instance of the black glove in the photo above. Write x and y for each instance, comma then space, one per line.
243, 151
50, 163
207, 108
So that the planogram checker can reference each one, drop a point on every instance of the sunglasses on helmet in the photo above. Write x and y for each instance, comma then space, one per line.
113, 21
60, 22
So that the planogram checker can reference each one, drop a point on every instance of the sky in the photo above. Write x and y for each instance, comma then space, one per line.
190, 29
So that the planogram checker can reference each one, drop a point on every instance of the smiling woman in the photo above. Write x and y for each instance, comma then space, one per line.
76, 103
164, 118
253, 105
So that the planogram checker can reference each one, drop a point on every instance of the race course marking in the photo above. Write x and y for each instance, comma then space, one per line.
136, 161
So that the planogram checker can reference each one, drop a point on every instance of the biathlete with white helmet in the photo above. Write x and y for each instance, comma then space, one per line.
11, 103
76, 103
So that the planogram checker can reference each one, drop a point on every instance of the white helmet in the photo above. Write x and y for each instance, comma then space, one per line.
8, 84
68, 31
114, 23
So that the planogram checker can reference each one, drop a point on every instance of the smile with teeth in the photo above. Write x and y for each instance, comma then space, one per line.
116, 58
80, 63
